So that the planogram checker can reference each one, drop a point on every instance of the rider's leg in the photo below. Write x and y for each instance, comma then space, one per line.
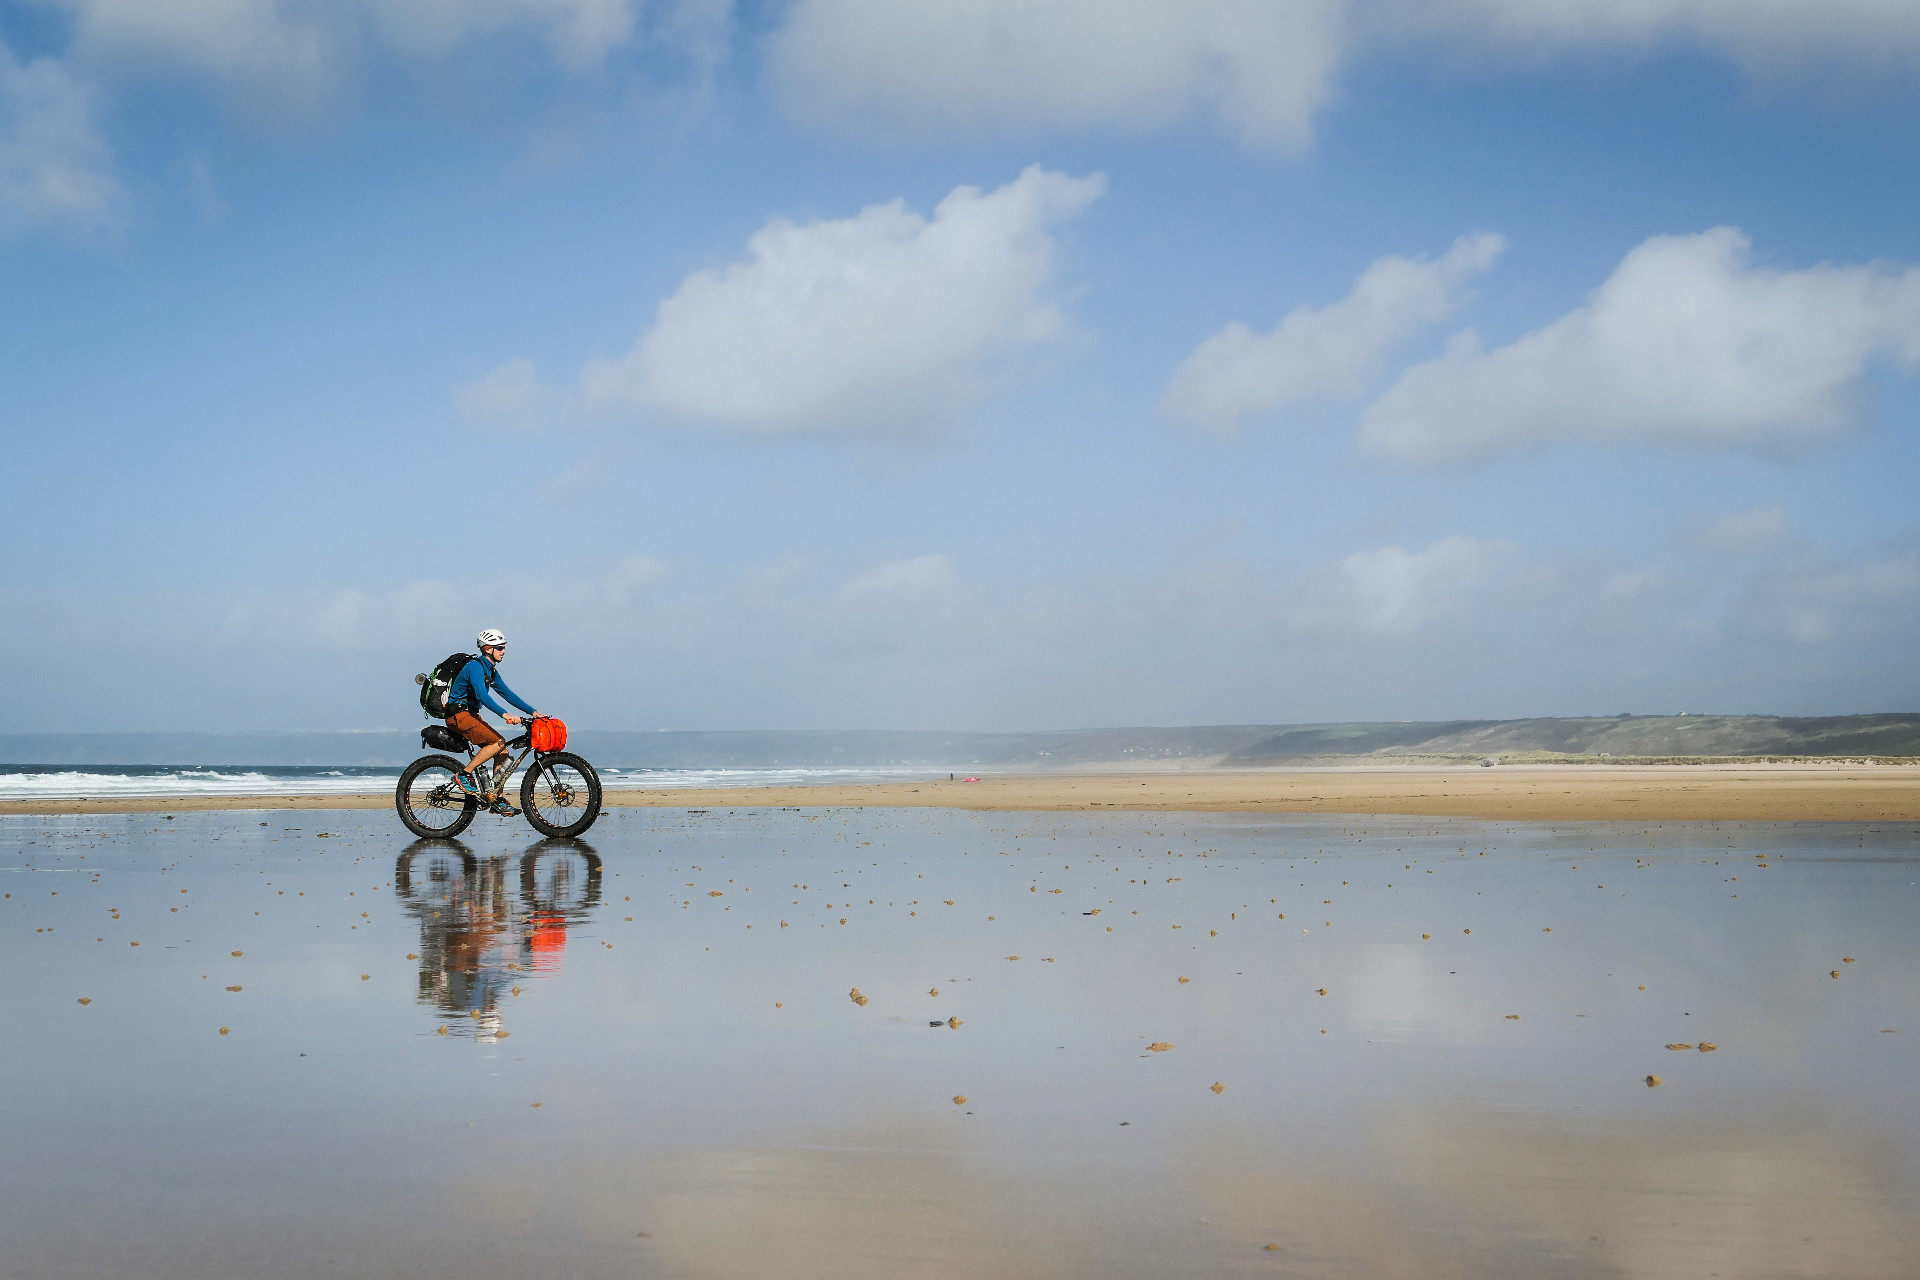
486, 743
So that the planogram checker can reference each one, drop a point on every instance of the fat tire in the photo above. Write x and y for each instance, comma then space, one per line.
414, 825
529, 804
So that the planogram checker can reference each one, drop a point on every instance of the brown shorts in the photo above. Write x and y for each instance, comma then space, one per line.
472, 728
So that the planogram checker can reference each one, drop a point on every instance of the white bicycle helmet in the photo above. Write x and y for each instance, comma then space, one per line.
487, 639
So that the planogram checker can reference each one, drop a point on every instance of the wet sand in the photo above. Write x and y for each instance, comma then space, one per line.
1522, 793
1086, 1045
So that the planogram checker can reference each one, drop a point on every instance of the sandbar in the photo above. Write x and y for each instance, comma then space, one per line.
1544, 793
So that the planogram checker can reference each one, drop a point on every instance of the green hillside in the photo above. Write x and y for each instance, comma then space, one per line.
1889, 734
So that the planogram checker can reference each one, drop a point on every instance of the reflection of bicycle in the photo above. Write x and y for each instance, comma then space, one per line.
479, 936
559, 886
560, 793
560, 879
446, 870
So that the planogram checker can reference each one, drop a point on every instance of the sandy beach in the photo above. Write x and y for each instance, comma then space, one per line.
1544, 793
723, 1042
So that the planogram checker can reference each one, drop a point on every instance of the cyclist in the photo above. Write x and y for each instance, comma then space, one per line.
465, 697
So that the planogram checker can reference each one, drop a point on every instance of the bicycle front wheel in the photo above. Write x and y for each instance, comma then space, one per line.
560, 795
430, 802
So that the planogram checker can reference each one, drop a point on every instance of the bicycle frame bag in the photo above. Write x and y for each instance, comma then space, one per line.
433, 688
547, 733
437, 737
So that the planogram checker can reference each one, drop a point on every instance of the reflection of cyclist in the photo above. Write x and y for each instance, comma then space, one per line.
477, 935
465, 697
466, 916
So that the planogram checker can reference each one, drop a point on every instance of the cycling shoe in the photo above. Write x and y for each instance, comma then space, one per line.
504, 809
469, 784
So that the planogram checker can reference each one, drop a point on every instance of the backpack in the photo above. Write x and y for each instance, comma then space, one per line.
433, 688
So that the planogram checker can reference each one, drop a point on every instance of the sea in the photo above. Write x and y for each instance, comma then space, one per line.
99, 782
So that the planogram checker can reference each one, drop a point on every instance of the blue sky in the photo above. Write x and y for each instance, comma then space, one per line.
994, 365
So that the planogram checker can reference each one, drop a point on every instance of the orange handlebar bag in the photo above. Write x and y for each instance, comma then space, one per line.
549, 733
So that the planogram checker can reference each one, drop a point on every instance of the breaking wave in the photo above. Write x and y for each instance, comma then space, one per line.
98, 782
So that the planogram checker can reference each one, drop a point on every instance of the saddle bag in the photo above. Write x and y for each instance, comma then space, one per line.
437, 737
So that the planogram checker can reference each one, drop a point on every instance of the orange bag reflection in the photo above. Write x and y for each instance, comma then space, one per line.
549, 933
546, 943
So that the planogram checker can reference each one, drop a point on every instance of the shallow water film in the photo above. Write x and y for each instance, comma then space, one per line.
872, 1043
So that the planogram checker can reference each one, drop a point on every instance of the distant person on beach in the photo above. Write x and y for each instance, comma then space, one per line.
468, 693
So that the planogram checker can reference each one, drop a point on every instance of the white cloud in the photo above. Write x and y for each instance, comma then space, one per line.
1742, 533
344, 620
1262, 68
429, 612
924, 574
579, 32
1764, 33
510, 393
299, 56
879, 321
55, 168
1687, 343
893, 609
1259, 69
764, 586
630, 582
1818, 602
284, 53
1329, 351
1393, 589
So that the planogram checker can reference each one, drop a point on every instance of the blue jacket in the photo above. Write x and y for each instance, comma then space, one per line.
469, 689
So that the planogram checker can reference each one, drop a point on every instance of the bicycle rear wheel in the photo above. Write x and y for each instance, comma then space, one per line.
560, 795
430, 802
